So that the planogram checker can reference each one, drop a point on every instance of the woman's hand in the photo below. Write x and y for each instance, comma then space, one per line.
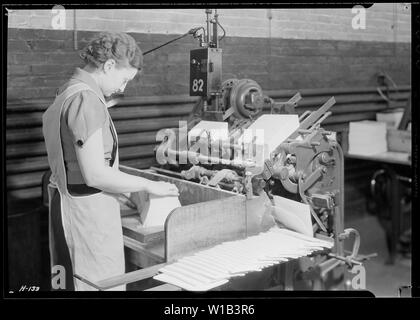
162, 189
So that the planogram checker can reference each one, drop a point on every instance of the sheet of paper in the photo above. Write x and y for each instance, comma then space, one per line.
274, 128
141, 200
258, 214
153, 210
293, 215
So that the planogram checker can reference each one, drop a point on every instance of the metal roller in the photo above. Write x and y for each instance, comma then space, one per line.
243, 98
246, 98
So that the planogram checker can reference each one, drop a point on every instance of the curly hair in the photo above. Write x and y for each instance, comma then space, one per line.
118, 46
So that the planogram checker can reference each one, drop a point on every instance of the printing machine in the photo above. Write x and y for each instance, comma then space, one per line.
226, 199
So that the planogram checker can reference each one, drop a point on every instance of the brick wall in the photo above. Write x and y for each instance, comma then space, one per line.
389, 22
279, 48
40, 60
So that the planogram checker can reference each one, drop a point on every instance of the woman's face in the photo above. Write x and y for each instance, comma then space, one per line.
114, 79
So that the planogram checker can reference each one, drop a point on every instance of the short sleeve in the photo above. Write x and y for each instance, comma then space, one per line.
84, 115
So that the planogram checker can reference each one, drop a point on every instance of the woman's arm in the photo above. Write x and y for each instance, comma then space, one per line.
96, 174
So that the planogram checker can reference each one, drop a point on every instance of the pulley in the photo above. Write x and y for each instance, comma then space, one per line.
242, 98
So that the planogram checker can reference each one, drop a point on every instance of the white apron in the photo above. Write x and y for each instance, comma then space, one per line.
92, 223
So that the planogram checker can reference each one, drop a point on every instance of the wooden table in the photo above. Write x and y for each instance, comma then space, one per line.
144, 246
388, 157
396, 165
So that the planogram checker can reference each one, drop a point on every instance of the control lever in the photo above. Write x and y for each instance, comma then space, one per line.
336, 260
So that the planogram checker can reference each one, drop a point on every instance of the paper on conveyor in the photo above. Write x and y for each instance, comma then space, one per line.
187, 286
293, 215
153, 210
213, 267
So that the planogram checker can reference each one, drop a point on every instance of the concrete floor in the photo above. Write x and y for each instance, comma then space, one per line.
381, 279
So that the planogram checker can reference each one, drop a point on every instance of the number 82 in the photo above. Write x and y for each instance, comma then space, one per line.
197, 85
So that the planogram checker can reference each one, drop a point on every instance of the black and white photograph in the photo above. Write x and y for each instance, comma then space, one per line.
209, 149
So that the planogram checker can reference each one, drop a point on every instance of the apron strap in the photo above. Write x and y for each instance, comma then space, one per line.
114, 146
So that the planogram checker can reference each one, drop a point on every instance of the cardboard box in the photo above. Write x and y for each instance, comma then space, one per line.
399, 140
391, 118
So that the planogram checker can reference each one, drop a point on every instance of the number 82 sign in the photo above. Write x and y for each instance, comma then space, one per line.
197, 85
205, 71
198, 72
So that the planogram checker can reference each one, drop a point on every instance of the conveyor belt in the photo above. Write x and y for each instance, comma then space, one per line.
213, 267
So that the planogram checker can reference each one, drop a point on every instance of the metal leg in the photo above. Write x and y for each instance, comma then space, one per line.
389, 240
288, 275
395, 214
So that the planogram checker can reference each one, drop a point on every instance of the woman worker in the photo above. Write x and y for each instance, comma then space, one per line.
82, 145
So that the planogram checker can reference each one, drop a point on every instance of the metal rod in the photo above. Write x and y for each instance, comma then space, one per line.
403, 178
215, 23
75, 31
93, 285
313, 117
208, 12
303, 197
326, 115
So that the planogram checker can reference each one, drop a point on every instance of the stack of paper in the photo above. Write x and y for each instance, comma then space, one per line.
367, 138
213, 267
153, 210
